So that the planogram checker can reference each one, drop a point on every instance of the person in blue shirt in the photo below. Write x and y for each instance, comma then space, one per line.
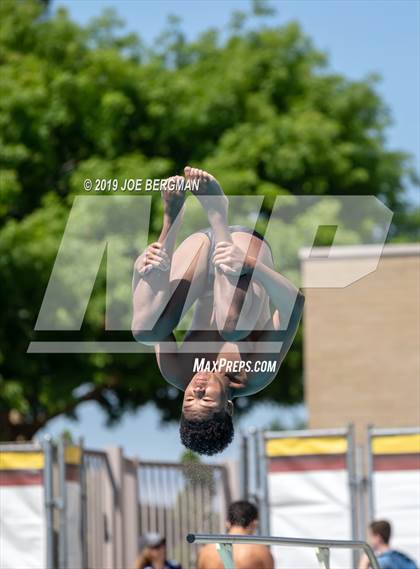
379, 539
153, 553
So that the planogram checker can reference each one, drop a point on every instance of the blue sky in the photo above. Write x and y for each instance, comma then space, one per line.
360, 37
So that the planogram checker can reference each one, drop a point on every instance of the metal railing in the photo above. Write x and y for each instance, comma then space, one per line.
224, 546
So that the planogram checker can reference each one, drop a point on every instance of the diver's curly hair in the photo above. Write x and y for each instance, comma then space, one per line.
207, 437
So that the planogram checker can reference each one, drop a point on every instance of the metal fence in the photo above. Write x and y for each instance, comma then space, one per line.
371, 434
96, 504
176, 499
392, 486
100, 503
382, 478
253, 467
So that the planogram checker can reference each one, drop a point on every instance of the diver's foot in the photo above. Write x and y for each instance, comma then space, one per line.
207, 189
173, 195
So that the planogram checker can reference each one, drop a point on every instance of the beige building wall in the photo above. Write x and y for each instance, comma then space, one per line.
362, 342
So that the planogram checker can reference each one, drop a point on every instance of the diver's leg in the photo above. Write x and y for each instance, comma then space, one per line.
234, 297
168, 281
211, 196
159, 304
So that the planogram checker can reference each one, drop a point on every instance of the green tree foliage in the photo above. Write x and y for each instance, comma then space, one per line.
255, 104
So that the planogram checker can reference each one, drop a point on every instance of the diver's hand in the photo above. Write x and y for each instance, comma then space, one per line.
154, 257
231, 259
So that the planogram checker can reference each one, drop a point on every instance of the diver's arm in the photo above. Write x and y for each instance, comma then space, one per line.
288, 303
282, 293
272, 346
280, 330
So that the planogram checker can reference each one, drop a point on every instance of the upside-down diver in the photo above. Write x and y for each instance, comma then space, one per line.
240, 302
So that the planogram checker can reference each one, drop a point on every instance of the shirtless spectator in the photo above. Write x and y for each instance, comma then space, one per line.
242, 520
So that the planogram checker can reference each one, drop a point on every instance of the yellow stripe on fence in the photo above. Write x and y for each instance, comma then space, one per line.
73, 455
396, 444
301, 446
21, 460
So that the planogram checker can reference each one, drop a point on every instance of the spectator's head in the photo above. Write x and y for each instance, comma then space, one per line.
379, 533
206, 421
153, 550
243, 514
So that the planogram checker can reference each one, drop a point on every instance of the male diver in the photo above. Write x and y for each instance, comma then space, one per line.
245, 312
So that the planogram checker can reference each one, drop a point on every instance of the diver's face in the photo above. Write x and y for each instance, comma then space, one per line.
204, 395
